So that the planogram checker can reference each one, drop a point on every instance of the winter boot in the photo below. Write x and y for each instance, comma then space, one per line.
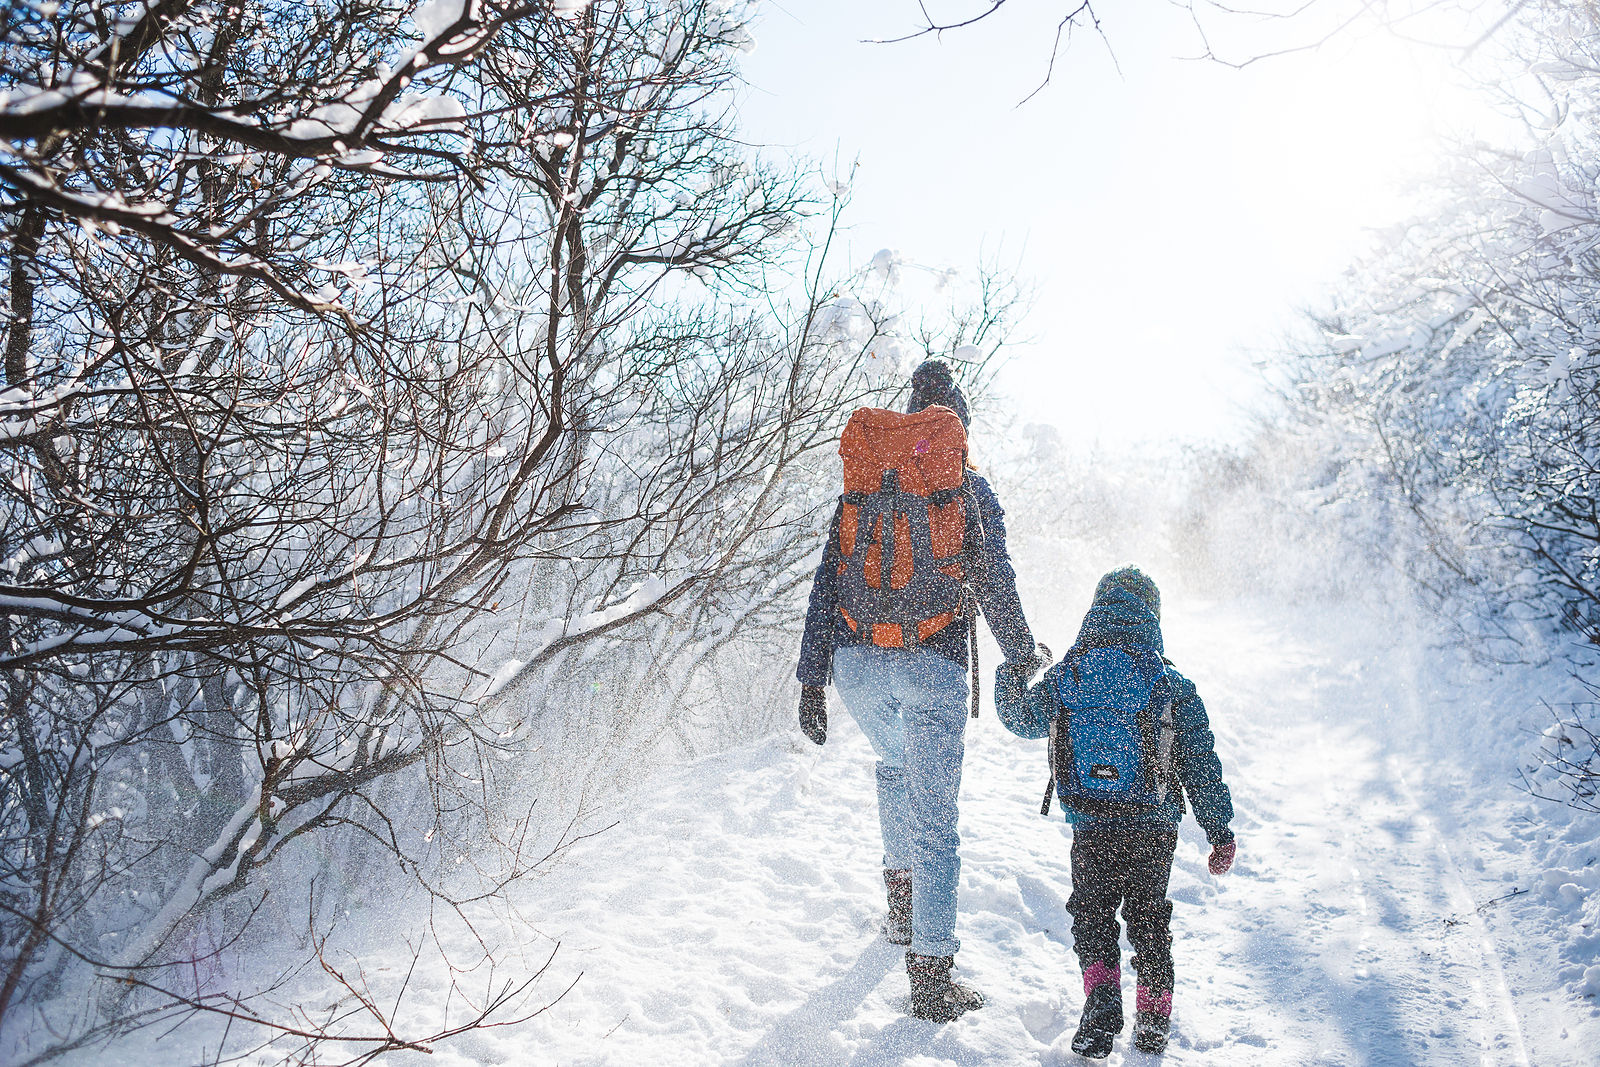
1102, 1015
897, 926
933, 995
1152, 1021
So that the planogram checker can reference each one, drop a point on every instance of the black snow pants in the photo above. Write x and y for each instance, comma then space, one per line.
1126, 864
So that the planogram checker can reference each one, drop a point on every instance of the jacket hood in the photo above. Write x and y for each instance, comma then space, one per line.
1118, 619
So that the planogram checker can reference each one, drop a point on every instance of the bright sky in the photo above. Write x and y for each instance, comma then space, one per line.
1172, 216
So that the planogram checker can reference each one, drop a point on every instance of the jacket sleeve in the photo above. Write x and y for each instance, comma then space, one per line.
1196, 759
1025, 712
994, 581
822, 615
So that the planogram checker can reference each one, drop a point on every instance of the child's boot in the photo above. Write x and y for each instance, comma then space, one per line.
1152, 1020
1102, 1012
933, 995
897, 927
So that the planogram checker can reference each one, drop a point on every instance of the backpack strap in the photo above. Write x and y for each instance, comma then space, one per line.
970, 547
1155, 733
972, 650
1169, 756
1166, 740
1050, 756
1149, 746
1070, 658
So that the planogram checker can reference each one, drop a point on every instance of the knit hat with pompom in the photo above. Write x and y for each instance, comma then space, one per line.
1130, 577
932, 384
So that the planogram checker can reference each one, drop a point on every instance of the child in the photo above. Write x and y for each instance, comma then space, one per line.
1125, 799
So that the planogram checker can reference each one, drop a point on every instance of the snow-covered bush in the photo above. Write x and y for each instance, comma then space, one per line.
1566, 766
1452, 397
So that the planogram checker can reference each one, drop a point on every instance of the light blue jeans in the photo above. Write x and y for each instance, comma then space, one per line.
912, 705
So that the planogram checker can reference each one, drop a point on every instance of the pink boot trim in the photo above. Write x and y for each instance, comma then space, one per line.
1098, 974
1150, 1000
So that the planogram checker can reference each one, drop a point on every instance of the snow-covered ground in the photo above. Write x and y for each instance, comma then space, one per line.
731, 915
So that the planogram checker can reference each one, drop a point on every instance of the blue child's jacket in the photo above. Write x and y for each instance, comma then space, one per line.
1120, 619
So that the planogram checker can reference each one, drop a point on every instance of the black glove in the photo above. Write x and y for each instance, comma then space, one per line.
1025, 668
814, 713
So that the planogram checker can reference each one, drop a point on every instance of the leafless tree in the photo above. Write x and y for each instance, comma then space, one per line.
375, 379
1241, 34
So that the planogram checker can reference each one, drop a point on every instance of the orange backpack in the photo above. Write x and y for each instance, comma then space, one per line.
903, 474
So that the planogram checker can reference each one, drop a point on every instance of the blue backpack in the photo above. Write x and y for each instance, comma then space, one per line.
1111, 740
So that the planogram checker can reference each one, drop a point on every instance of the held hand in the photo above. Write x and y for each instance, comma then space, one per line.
814, 713
1222, 857
1025, 668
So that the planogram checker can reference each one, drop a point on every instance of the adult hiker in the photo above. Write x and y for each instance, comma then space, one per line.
897, 651
1129, 737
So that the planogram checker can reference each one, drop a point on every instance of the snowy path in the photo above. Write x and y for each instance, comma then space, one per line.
731, 918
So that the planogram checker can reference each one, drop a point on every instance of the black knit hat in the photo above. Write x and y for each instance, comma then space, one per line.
1135, 581
932, 384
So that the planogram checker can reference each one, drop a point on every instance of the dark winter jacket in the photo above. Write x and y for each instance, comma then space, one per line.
993, 581
1119, 619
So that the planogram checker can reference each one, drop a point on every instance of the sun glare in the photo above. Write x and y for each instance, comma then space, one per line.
1174, 213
